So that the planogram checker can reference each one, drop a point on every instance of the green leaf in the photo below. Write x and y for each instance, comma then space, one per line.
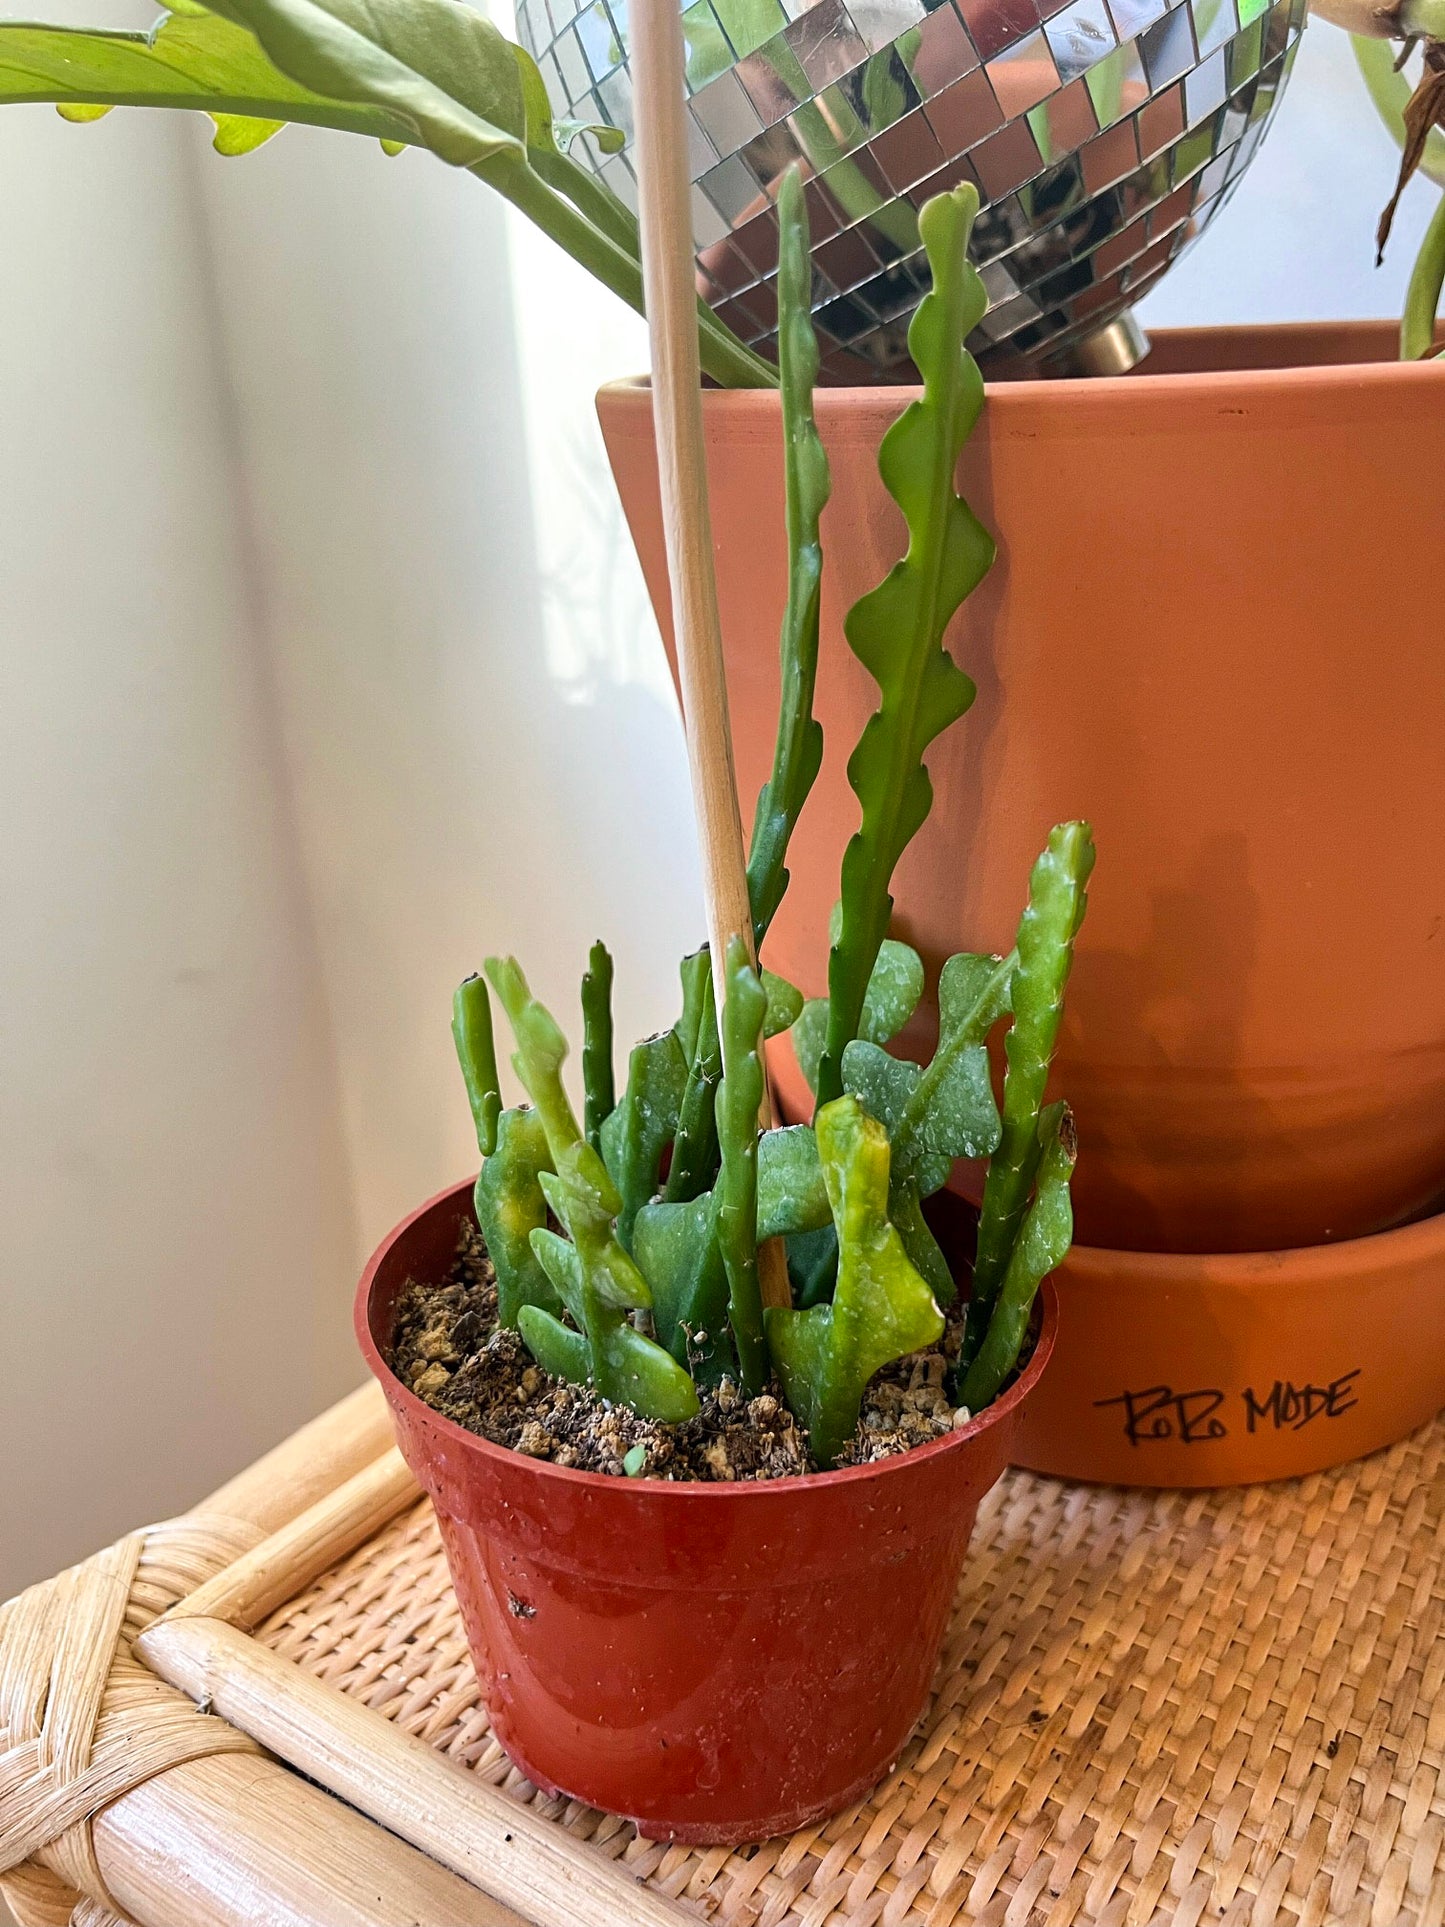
881, 1309
189, 59
694, 1148
80, 112
440, 68
1050, 923
599, 1094
791, 1194
739, 1099
813, 1265
242, 133
924, 1255
676, 1247
897, 631
611, 140
784, 1003
555, 1346
798, 753
946, 1111
510, 1207
634, 1461
477, 1055
696, 975
629, 1369
564, 1271
625, 1365
809, 1038
641, 1126
1040, 1246
429, 73
894, 990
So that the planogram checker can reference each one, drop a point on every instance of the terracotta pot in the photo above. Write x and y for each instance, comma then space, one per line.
1214, 631
1199, 1369
716, 1662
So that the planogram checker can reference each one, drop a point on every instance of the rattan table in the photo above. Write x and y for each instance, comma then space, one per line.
1209, 1707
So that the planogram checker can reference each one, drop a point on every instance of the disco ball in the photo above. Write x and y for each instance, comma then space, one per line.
1102, 136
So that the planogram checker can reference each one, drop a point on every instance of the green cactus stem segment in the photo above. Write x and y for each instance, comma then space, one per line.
510, 1206
1056, 906
897, 631
881, 1308
593, 1275
739, 1098
599, 1096
477, 1055
798, 754
1041, 1245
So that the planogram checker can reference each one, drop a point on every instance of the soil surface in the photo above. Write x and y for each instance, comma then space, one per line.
448, 1348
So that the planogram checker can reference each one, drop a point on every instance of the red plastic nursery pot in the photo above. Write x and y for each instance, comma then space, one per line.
1214, 632
718, 1663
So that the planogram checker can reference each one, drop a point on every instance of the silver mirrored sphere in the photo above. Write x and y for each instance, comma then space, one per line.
1102, 135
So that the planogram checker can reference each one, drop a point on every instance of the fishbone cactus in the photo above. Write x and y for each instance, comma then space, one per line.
896, 632
650, 1286
882, 1308
591, 1273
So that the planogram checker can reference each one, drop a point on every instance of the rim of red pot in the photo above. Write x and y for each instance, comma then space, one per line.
1045, 1325
1299, 361
1397, 1246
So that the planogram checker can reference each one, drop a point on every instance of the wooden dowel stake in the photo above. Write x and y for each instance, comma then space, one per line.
665, 218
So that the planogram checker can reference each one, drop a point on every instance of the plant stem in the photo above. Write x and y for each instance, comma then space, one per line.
603, 209
798, 753
1422, 302
1422, 18
599, 1089
722, 355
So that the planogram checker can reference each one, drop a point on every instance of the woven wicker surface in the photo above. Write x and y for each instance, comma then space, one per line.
1153, 1707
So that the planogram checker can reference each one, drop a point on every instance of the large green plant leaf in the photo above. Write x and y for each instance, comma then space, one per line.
897, 631
188, 60
945, 1111
791, 1194
432, 73
439, 67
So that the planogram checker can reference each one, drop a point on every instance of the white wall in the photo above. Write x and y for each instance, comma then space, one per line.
1297, 242
175, 1210
326, 670
482, 763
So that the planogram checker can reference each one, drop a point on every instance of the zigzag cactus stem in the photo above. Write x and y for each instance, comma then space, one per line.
897, 631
